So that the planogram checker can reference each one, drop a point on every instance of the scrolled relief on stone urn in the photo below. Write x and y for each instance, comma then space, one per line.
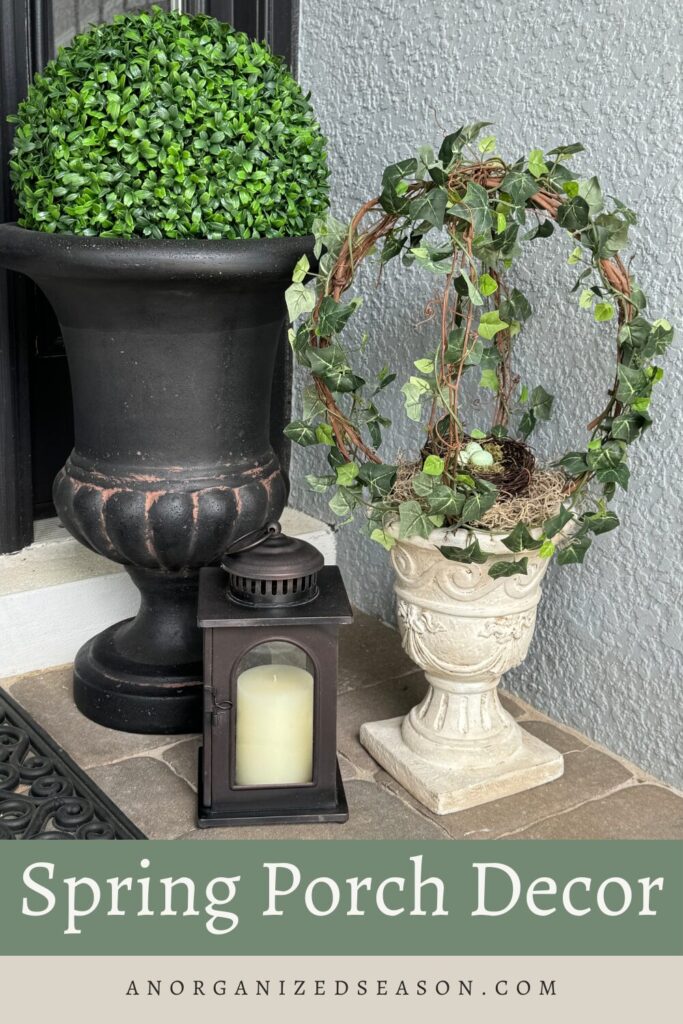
459, 747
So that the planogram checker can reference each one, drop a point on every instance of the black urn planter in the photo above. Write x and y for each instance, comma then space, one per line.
171, 348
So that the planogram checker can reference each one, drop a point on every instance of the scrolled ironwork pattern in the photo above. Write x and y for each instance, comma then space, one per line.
43, 793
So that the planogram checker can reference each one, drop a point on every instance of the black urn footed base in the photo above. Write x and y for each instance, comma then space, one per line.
144, 675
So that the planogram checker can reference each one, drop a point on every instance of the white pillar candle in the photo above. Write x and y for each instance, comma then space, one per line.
274, 726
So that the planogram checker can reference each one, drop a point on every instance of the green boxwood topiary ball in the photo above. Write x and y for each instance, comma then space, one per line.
168, 126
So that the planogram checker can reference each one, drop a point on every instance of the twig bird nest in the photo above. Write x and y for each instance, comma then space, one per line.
513, 466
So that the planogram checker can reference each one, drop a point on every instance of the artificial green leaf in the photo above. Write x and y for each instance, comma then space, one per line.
346, 474
489, 380
424, 365
476, 202
301, 269
300, 300
600, 522
619, 474
333, 315
300, 433
574, 256
324, 434
541, 403
603, 311
477, 504
515, 307
443, 500
586, 298
472, 291
470, 553
590, 191
573, 215
574, 463
490, 324
628, 426
343, 503
500, 570
562, 152
412, 520
547, 549
414, 391
519, 539
607, 454
430, 207
633, 384
556, 523
423, 484
378, 478
536, 163
487, 285
487, 144
319, 484
433, 465
519, 185
574, 552
383, 538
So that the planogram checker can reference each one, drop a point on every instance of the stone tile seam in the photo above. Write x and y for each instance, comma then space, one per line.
628, 784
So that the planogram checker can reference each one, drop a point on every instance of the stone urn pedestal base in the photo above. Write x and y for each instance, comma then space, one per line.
460, 747
444, 790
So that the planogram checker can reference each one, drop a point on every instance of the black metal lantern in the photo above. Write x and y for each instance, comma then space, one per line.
270, 684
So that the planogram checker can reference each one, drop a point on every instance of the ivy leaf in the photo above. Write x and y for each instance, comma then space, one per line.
474, 296
346, 474
490, 324
300, 300
601, 522
424, 365
301, 269
487, 284
300, 432
470, 553
476, 201
324, 434
319, 484
414, 391
536, 163
586, 298
591, 192
628, 426
519, 539
541, 403
607, 455
477, 504
500, 570
487, 144
574, 463
547, 549
378, 478
445, 501
574, 214
423, 484
633, 384
430, 207
519, 185
489, 380
433, 465
619, 474
574, 256
562, 152
412, 520
515, 307
574, 552
603, 311
383, 538
543, 229
552, 526
330, 364
343, 503
333, 315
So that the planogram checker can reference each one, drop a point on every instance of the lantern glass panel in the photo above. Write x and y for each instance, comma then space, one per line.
275, 692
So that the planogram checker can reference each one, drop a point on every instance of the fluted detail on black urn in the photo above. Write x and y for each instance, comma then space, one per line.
171, 348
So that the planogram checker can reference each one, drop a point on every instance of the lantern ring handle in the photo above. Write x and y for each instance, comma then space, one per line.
253, 539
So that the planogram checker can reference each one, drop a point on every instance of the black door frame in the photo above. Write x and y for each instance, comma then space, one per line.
25, 47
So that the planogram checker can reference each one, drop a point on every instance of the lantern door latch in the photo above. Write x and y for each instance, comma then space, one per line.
217, 707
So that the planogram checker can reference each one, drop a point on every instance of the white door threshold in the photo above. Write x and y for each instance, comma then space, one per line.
55, 594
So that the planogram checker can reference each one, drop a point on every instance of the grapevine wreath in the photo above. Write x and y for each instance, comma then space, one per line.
463, 215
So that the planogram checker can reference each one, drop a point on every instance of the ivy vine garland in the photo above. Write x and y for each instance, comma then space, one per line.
462, 215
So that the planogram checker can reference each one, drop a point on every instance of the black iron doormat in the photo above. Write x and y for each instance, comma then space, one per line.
43, 793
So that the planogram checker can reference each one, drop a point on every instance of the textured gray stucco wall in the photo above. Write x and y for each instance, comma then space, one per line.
389, 75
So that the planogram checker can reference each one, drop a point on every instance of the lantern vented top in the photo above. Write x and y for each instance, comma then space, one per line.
267, 569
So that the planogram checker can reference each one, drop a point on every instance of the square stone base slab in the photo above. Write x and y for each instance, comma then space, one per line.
444, 790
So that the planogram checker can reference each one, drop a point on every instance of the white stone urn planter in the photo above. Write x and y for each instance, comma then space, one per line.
460, 747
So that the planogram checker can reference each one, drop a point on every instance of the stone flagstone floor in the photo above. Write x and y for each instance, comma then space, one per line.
153, 778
